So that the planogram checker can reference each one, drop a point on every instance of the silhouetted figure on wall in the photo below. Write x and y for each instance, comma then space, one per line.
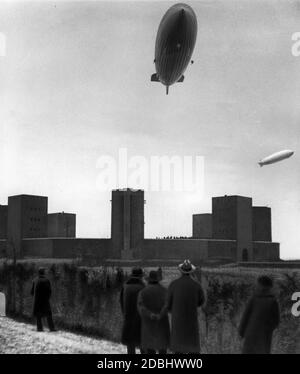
41, 292
155, 334
131, 331
184, 296
260, 318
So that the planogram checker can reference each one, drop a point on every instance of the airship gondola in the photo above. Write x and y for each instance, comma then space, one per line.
174, 46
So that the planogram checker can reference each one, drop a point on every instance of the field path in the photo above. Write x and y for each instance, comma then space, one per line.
18, 337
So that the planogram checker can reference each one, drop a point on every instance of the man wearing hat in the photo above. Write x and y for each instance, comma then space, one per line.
131, 331
260, 318
184, 296
41, 292
155, 332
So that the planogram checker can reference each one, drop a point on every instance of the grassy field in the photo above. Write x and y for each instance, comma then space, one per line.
87, 300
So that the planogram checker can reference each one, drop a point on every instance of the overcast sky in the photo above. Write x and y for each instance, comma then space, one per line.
75, 85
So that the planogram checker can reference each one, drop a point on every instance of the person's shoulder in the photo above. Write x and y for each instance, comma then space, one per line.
137, 285
44, 279
174, 282
253, 299
142, 284
144, 287
161, 286
273, 298
196, 283
266, 296
178, 283
194, 279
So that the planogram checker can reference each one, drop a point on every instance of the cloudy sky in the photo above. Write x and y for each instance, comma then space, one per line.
75, 85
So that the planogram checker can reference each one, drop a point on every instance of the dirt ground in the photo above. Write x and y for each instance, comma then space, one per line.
18, 337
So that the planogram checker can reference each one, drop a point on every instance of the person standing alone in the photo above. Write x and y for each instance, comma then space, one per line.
41, 292
260, 318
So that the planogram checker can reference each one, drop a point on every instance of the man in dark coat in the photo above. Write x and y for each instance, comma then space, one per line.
155, 332
184, 296
131, 331
41, 292
260, 318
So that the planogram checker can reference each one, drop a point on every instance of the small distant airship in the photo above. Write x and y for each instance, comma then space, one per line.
175, 42
275, 157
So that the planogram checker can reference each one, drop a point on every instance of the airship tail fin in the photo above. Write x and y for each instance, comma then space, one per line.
154, 78
261, 164
181, 79
167, 90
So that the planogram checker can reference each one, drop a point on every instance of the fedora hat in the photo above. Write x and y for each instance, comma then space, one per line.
186, 267
153, 277
41, 271
137, 272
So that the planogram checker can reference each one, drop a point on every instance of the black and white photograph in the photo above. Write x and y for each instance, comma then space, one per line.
149, 180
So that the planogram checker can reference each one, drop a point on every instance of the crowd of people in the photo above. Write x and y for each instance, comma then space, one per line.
145, 311
146, 308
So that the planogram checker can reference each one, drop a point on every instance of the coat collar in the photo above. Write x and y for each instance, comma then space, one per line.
266, 291
134, 280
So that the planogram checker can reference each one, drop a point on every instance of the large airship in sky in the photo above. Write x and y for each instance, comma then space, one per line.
276, 157
175, 42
